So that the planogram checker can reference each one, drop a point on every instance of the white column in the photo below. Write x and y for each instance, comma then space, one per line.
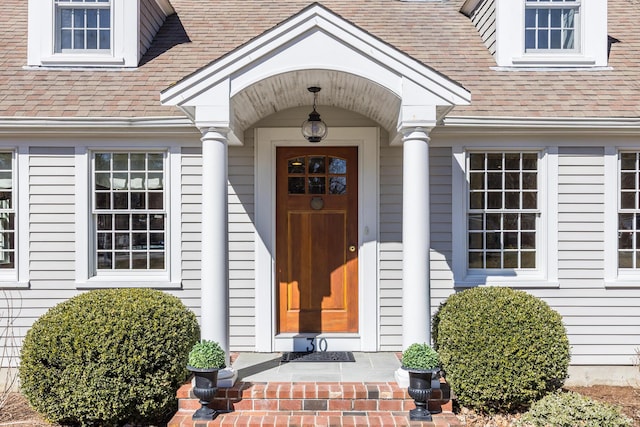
215, 244
416, 306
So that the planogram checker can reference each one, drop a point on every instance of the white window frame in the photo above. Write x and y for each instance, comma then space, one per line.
546, 272
86, 274
613, 276
563, 4
591, 41
18, 276
125, 38
67, 4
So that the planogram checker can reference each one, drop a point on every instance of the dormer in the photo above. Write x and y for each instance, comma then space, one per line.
92, 33
542, 33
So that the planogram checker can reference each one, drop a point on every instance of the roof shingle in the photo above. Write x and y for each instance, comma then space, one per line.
435, 33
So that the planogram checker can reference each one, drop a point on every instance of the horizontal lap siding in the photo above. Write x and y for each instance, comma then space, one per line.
51, 234
241, 241
151, 19
603, 324
484, 18
391, 238
440, 202
191, 205
390, 254
241, 248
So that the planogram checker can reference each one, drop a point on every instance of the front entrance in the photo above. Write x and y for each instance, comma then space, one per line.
317, 239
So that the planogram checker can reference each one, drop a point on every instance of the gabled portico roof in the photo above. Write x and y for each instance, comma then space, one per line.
315, 47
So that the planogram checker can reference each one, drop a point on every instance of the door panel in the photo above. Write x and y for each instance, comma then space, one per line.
317, 239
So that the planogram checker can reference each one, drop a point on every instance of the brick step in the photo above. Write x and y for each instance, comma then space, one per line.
313, 404
313, 419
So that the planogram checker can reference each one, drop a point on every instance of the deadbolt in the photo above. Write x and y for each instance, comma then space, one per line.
352, 248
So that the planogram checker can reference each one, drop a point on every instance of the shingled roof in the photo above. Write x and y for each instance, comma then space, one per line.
435, 33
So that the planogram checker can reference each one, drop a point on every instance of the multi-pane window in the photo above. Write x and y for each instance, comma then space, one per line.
7, 212
317, 175
129, 211
551, 24
83, 25
629, 211
502, 210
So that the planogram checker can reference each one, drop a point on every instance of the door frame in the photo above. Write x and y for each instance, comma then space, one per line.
266, 140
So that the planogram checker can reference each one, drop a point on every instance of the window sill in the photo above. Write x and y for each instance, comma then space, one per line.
623, 282
96, 283
512, 281
82, 60
553, 60
13, 284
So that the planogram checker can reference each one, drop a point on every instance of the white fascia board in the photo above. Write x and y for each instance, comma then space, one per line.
37, 125
314, 19
591, 123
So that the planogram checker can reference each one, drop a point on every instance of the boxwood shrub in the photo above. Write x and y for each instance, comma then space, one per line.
501, 348
107, 357
571, 409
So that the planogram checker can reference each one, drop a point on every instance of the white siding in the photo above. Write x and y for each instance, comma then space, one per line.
390, 248
484, 18
241, 248
603, 324
441, 249
191, 197
51, 236
151, 19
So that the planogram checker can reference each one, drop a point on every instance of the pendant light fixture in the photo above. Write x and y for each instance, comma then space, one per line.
314, 129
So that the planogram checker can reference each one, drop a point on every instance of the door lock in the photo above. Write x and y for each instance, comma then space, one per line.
352, 248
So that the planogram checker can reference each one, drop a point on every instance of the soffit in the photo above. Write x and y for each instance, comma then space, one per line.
339, 89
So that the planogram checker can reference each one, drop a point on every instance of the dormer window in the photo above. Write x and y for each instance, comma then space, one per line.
551, 25
542, 33
92, 33
83, 25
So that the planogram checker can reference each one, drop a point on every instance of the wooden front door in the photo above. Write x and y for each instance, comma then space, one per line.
317, 239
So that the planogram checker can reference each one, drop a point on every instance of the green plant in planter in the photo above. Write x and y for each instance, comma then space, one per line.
421, 362
205, 359
420, 356
207, 355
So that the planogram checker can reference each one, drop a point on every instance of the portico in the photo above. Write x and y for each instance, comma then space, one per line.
358, 73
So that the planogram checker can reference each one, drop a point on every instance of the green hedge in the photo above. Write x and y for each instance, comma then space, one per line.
107, 357
572, 410
501, 349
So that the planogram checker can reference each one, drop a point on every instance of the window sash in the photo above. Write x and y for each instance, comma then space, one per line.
628, 219
552, 26
7, 211
502, 210
83, 26
129, 212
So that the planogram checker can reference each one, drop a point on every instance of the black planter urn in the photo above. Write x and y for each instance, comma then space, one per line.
420, 391
205, 390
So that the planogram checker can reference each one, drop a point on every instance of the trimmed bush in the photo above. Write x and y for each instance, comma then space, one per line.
207, 355
420, 356
501, 348
572, 410
107, 357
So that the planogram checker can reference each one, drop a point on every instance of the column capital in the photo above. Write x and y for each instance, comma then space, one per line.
415, 132
213, 132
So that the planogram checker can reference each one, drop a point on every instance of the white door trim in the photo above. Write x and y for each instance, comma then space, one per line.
367, 141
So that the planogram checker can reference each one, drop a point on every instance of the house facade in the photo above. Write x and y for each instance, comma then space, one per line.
157, 143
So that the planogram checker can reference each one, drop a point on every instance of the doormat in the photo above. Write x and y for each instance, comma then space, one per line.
318, 356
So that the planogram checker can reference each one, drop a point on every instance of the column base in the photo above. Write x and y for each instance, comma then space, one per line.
227, 377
